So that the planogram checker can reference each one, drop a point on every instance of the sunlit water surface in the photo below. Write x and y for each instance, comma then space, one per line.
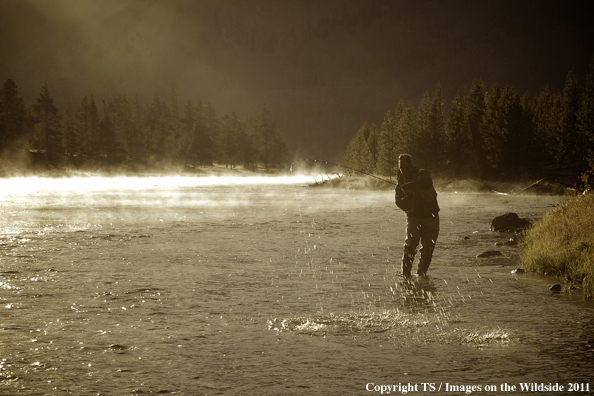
265, 287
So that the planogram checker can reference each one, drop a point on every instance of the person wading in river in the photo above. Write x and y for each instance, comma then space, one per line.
416, 196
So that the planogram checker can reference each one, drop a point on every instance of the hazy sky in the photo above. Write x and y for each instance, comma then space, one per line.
324, 67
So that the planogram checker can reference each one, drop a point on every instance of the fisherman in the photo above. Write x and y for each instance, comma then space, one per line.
416, 196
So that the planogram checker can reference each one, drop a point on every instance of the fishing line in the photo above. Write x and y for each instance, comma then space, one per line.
342, 166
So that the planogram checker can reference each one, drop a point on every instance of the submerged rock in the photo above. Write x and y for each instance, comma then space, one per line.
509, 222
555, 288
510, 242
489, 253
118, 347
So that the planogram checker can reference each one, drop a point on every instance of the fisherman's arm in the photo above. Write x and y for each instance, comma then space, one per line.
399, 193
423, 180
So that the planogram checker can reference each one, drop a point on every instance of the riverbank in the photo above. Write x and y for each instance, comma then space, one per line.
444, 184
561, 244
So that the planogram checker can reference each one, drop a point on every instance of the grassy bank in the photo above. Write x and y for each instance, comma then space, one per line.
561, 244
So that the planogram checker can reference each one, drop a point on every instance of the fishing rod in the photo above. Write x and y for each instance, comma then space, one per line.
342, 166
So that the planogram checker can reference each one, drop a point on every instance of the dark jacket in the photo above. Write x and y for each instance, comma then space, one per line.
417, 196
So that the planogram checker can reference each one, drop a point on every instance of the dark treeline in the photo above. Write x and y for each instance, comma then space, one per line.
489, 133
119, 130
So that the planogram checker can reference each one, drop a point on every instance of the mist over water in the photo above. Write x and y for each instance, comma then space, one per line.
82, 184
264, 286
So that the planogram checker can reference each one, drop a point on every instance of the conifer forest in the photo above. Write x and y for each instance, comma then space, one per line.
490, 132
119, 130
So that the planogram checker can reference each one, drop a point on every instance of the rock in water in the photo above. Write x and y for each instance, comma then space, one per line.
511, 242
555, 288
508, 223
489, 253
118, 347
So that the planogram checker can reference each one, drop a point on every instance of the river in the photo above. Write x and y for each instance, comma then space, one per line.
263, 286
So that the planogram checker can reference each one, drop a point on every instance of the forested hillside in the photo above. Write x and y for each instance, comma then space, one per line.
161, 132
490, 132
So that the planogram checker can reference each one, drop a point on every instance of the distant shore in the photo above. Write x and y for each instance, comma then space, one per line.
444, 184
99, 167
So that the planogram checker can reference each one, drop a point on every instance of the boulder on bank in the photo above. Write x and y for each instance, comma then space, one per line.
509, 222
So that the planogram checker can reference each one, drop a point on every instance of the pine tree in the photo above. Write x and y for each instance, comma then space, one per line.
474, 104
422, 147
48, 119
134, 139
547, 114
175, 123
70, 138
83, 125
13, 117
246, 142
513, 147
200, 149
192, 112
406, 129
459, 150
86, 125
585, 122
568, 140
94, 129
120, 115
227, 142
374, 146
387, 162
398, 115
212, 124
528, 142
437, 129
272, 149
160, 135
108, 143
357, 155
492, 130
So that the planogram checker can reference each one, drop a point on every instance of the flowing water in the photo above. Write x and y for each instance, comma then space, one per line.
198, 286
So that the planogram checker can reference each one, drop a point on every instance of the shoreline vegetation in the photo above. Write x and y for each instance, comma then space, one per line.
561, 245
